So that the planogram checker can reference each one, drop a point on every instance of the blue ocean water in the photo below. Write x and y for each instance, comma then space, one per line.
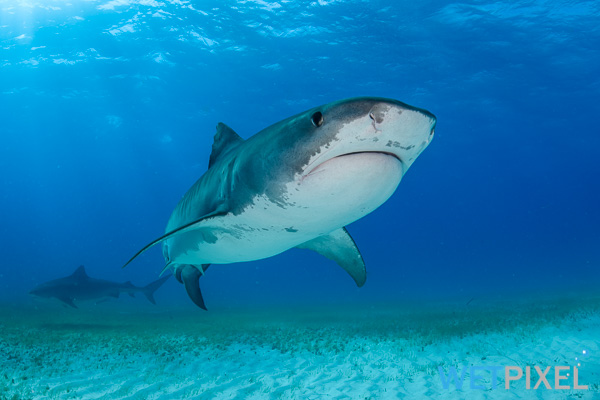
108, 111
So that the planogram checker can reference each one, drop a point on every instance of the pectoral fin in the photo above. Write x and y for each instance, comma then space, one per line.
181, 229
340, 247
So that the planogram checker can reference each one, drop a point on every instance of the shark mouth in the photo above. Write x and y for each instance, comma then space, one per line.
320, 166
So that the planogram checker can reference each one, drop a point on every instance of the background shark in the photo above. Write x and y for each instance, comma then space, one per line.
80, 287
296, 183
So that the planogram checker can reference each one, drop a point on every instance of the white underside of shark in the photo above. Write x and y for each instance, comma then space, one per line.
265, 229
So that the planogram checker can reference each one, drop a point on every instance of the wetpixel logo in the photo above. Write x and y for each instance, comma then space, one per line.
558, 377
478, 376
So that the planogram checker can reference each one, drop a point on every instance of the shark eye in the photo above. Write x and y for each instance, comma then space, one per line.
317, 119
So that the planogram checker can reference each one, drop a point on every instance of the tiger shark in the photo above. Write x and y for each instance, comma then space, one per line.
297, 183
79, 286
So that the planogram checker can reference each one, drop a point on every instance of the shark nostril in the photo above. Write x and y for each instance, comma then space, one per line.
377, 115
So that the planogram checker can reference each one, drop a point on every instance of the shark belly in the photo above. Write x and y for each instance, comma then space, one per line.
315, 205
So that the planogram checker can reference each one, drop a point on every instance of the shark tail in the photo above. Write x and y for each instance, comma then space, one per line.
149, 289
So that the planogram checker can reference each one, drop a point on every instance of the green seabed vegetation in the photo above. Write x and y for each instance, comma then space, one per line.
54, 352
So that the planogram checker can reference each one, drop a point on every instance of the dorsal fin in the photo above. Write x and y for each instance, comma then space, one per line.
80, 273
225, 138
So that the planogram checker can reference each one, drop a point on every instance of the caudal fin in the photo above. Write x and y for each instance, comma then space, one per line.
149, 289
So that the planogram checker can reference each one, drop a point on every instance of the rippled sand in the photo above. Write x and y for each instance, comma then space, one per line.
374, 352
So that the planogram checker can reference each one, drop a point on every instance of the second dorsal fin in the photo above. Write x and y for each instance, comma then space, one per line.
225, 139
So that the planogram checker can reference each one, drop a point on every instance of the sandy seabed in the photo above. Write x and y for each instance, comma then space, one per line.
366, 352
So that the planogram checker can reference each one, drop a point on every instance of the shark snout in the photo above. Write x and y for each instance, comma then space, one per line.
401, 130
386, 113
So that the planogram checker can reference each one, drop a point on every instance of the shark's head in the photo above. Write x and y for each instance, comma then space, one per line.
344, 158
45, 290
367, 126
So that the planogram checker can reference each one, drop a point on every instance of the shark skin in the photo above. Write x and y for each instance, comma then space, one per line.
297, 183
80, 287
